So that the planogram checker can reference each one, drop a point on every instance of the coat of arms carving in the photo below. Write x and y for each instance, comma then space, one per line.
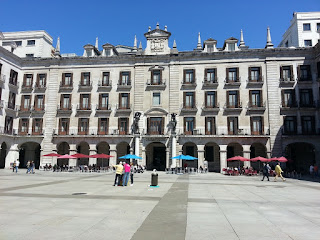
157, 45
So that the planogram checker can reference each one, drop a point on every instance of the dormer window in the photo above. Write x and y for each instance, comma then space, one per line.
231, 46
108, 52
210, 48
89, 52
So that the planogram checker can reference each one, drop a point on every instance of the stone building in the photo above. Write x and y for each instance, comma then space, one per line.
212, 103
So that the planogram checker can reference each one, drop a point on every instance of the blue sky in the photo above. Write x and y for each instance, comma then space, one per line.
80, 22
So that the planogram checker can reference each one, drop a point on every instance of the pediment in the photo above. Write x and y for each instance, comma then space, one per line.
156, 33
156, 111
156, 67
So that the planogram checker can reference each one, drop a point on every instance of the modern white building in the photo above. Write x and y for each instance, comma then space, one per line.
304, 30
159, 102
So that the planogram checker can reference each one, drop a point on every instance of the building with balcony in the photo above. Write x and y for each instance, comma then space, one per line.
212, 103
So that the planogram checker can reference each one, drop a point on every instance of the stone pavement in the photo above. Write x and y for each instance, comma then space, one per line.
50, 205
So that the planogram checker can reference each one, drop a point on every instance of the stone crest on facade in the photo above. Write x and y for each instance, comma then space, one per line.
157, 45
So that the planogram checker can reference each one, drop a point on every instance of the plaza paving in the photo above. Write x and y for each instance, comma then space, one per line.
50, 205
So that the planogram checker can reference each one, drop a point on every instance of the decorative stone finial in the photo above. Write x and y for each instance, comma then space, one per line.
174, 44
135, 42
242, 44
166, 28
157, 26
57, 49
96, 45
269, 42
140, 46
149, 29
174, 49
199, 46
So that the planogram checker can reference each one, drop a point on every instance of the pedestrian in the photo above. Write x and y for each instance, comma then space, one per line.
132, 169
279, 172
311, 169
315, 170
127, 170
119, 169
28, 166
265, 171
14, 166
17, 165
32, 166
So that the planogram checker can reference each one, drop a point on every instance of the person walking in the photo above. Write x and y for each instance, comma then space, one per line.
17, 165
279, 172
28, 166
14, 166
119, 169
311, 170
32, 166
127, 169
131, 173
265, 171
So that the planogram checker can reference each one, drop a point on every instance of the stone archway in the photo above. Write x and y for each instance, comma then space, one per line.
63, 148
3, 154
156, 156
300, 155
257, 150
123, 148
234, 149
191, 149
83, 148
103, 147
29, 151
212, 156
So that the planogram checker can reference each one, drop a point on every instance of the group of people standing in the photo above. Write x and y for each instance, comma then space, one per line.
123, 171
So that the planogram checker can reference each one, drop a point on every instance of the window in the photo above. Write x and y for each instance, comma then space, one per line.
210, 75
318, 27
65, 102
105, 79
67, 79
308, 124
156, 99
37, 126
256, 125
124, 101
18, 43
123, 126
308, 43
286, 73
189, 99
8, 125
156, 77
254, 74
85, 102
89, 52
306, 27
27, 81
288, 98
25, 102
83, 127
231, 46
290, 125
29, 55
104, 101
85, 79
232, 99
108, 52
103, 126
12, 100
189, 125
39, 102
41, 80
64, 126
255, 98
304, 73
306, 98
31, 42
232, 125
155, 125
24, 126
210, 48
125, 78
232, 74
210, 126
189, 76
13, 77
210, 99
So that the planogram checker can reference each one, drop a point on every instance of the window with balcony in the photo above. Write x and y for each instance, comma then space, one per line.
306, 98
286, 73
306, 27
189, 125
12, 100
211, 99
103, 126
210, 126
288, 98
67, 79
232, 75
124, 101
104, 101
37, 126
210, 75
233, 99
189, 100
85, 79
125, 78
156, 101
233, 125
39, 102
65, 102
156, 77
255, 74
13, 77
290, 125
106, 79
255, 98
23, 126
123, 126
25, 102
304, 73
308, 124
256, 125
155, 125
189, 76
64, 126
85, 102
41, 80
8, 125
83, 127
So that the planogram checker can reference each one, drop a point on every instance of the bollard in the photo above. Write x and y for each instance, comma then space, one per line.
154, 178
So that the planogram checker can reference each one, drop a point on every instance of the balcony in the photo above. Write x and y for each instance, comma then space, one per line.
85, 87
232, 82
104, 87
256, 107
1, 104
192, 109
2, 79
211, 108
24, 110
189, 85
38, 110
66, 88
40, 88
153, 85
124, 108
84, 109
293, 106
103, 109
194, 132
255, 82
66, 110
233, 107
37, 133
4, 131
305, 80
126, 85
288, 82
311, 105
13, 86
208, 83
26, 88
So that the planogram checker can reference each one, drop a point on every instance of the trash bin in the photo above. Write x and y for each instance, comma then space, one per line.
154, 178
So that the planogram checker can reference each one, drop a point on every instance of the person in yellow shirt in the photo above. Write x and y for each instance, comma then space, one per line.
119, 170
278, 171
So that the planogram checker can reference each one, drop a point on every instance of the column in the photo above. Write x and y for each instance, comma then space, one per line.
246, 154
173, 150
167, 158
73, 150
13, 154
200, 156
223, 157
137, 147
92, 151
144, 157
113, 153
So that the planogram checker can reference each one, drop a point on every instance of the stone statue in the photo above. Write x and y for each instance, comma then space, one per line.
173, 122
135, 124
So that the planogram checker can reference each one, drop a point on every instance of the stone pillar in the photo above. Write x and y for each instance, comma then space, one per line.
12, 155
179, 162
137, 147
200, 156
167, 158
246, 154
92, 151
144, 157
113, 153
173, 150
73, 150
223, 157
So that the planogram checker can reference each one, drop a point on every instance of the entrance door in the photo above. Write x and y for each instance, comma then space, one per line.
159, 158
